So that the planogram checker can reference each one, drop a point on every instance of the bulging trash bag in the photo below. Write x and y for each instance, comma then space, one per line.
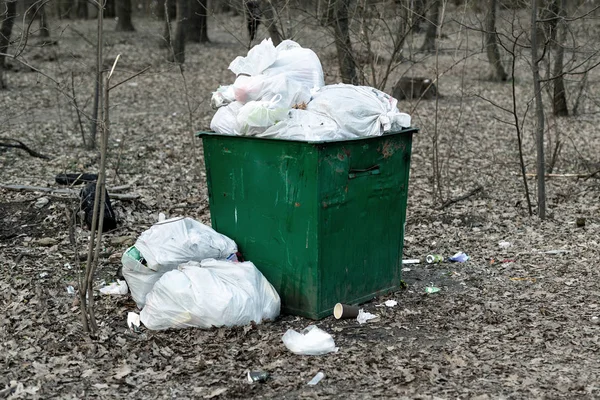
256, 116
294, 73
164, 247
225, 119
259, 58
306, 126
359, 110
312, 341
210, 293
223, 96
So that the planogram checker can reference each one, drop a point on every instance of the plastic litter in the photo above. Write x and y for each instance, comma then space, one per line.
434, 259
364, 316
133, 321
359, 110
312, 341
306, 126
210, 293
459, 257
391, 303
256, 116
164, 247
259, 58
223, 96
257, 376
431, 289
504, 244
70, 290
119, 287
412, 261
316, 379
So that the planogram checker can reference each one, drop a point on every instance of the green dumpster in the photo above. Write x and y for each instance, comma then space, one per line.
323, 221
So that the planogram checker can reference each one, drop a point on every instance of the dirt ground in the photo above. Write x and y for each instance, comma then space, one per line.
513, 322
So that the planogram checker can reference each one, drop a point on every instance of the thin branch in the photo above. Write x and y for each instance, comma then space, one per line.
22, 146
465, 196
130, 78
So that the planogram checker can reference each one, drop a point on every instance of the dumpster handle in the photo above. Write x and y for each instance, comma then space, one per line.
355, 173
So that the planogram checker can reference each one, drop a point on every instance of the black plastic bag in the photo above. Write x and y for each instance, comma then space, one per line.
87, 194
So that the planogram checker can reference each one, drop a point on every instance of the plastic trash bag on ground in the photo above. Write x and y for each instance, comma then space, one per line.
225, 119
312, 341
210, 293
164, 247
359, 110
306, 126
259, 58
256, 116
119, 287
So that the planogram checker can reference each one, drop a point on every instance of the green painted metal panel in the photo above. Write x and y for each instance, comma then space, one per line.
322, 221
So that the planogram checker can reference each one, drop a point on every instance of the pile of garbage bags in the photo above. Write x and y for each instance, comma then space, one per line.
280, 92
182, 273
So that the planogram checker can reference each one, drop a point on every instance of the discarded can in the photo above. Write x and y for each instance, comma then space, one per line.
434, 259
257, 376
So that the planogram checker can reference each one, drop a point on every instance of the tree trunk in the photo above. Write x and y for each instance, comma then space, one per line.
432, 26
271, 21
539, 111
8, 20
559, 100
169, 13
109, 9
178, 55
497, 72
44, 29
124, 10
197, 27
82, 9
343, 44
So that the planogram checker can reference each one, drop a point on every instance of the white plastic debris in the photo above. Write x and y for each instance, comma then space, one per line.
306, 126
70, 290
119, 287
504, 244
256, 116
225, 119
406, 269
316, 379
312, 341
210, 293
223, 96
44, 274
133, 321
391, 303
41, 202
259, 58
364, 316
164, 247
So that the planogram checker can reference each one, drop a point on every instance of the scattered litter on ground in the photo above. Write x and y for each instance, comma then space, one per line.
41, 202
133, 321
44, 274
119, 287
504, 244
391, 303
345, 311
560, 251
459, 257
434, 259
364, 316
316, 379
432, 289
257, 376
406, 270
312, 341
412, 261
70, 289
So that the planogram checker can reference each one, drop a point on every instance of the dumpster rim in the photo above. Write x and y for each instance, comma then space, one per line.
409, 130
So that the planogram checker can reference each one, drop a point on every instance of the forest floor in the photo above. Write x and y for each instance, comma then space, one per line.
513, 322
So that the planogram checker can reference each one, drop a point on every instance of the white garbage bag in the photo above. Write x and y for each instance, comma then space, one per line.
312, 341
294, 73
164, 247
259, 58
306, 126
225, 119
223, 96
256, 116
210, 293
359, 110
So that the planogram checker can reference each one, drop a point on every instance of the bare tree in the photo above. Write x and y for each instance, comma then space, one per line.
343, 45
8, 16
432, 26
539, 112
497, 72
178, 53
271, 20
197, 27
169, 12
124, 10
559, 98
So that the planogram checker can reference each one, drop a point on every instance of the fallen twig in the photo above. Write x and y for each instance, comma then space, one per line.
69, 192
22, 146
465, 196
584, 176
